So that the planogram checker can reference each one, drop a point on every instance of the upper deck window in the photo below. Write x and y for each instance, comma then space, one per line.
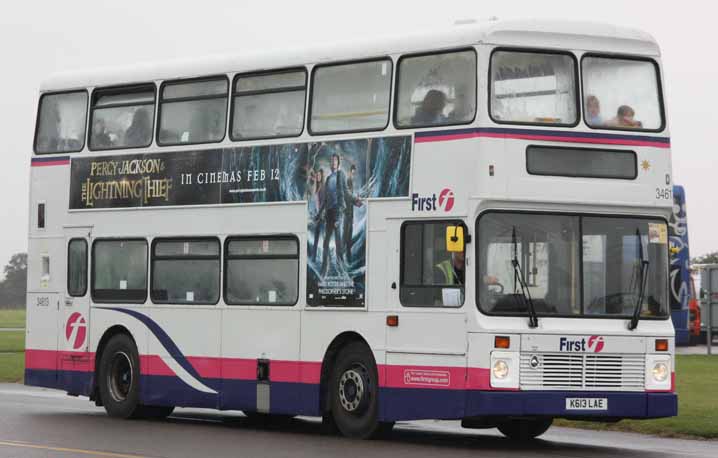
351, 97
621, 94
436, 89
533, 88
122, 118
269, 105
193, 112
61, 123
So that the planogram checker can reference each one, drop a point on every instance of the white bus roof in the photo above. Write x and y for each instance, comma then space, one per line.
551, 34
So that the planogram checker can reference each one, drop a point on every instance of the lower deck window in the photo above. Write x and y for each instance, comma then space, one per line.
119, 271
185, 271
262, 271
430, 275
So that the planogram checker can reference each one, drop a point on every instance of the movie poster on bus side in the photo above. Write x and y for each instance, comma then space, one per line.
341, 176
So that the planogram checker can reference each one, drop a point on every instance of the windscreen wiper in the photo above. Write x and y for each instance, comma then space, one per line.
641, 285
518, 274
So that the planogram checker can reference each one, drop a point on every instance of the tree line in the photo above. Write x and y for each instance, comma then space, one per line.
14, 286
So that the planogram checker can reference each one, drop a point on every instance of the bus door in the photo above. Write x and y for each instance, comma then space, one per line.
426, 352
75, 364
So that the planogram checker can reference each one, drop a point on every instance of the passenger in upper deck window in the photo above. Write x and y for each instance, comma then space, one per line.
100, 137
431, 109
593, 111
138, 132
624, 118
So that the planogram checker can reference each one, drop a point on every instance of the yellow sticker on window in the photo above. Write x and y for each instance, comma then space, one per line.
657, 233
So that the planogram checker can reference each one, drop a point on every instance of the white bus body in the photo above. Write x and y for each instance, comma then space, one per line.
449, 359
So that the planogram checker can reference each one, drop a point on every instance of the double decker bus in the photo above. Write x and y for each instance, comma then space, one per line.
463, 224
685, 312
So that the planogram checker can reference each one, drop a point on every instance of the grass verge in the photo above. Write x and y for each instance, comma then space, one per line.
13, 318
12, 341
696, 385
12, 367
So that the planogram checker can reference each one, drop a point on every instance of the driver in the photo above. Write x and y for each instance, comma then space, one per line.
450, 271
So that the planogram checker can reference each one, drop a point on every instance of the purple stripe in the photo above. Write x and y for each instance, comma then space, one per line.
543, 133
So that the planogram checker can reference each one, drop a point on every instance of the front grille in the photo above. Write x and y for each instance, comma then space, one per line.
577, 371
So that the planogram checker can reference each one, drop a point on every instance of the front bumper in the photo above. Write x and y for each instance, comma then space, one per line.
553, 403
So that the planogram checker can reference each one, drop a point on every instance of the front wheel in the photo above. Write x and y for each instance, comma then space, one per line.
354, 392
525, 429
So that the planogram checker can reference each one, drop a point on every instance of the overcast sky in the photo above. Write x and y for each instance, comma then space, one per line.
38, 38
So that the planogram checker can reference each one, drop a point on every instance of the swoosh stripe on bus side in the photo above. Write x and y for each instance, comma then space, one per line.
178, 363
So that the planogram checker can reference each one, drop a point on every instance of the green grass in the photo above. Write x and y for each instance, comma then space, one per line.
12, 341
12, 367
697, 388
14, 318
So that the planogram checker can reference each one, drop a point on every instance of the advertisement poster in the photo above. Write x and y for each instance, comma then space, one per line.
334, 178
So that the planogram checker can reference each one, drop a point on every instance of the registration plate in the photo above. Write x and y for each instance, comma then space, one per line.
586, 404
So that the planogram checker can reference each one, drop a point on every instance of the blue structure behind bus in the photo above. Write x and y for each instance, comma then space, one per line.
680, 267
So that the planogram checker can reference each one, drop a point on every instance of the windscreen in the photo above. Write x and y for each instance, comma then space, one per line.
573, 265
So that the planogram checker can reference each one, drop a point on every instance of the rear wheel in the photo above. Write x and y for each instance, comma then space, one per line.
119, 382
525, 429
119, 377
353, 393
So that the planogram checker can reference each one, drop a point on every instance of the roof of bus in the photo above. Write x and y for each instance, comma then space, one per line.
551, 34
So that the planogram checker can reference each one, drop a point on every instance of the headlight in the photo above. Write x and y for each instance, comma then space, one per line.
660, 372
501, 369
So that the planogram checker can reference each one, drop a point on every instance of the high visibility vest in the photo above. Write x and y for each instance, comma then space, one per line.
448, 270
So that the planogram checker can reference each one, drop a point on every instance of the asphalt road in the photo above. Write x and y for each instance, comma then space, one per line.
38, 423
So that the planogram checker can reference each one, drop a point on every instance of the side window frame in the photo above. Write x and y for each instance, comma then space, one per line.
659, 88
402, 239
234, 95
69, 267
228, 257
576, 81
312, 88
153, 257
200, 79
37, 121
434, 53
93, 271
98, 92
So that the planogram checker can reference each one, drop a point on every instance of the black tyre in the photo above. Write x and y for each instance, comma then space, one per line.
119, 377
353, 393
525, 429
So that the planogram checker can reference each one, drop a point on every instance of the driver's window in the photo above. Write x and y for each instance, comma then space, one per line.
430, 275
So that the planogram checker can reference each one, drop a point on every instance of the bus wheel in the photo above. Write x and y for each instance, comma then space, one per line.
525, 429
353, 391
119, 377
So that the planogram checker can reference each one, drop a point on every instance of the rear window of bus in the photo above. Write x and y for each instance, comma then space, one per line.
531, 87
621, 93
61, 123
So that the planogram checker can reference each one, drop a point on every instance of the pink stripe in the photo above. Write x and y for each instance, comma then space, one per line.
206, 367
48, 163
64, 360
441, 138
293, 371
547, 138
238, 368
